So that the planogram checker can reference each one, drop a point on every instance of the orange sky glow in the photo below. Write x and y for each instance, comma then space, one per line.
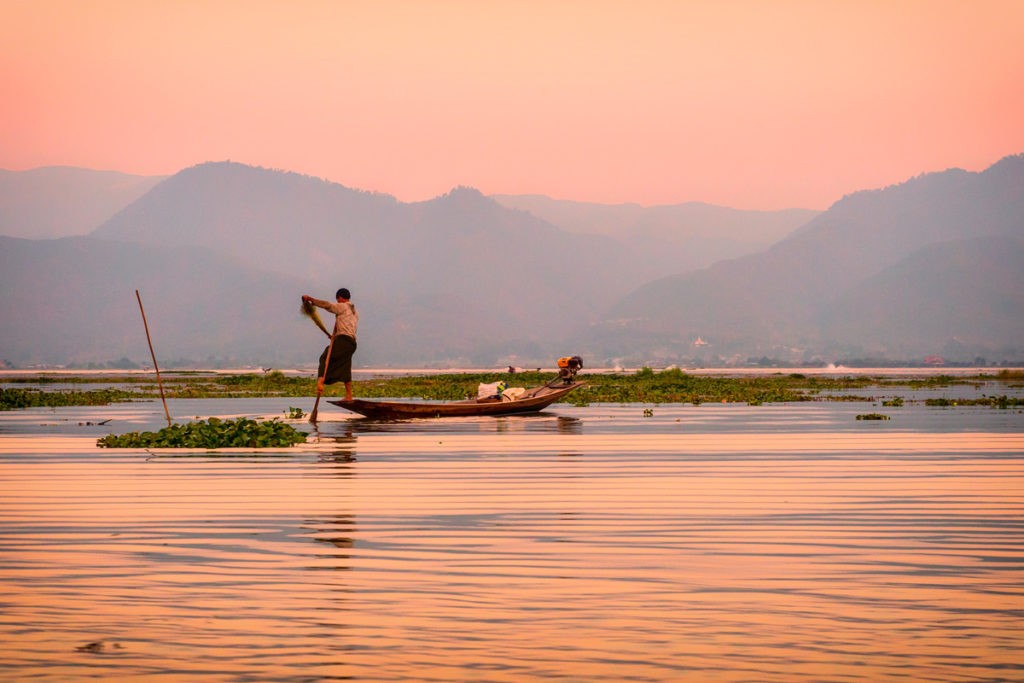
752, 104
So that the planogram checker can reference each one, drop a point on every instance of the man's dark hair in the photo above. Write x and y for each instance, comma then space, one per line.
343, 294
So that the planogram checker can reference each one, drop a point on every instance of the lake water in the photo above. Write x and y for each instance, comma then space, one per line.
709, 543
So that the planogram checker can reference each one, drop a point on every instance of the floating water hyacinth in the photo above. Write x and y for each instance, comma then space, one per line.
211, 433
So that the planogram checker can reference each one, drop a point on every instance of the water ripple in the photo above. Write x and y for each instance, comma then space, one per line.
535, 550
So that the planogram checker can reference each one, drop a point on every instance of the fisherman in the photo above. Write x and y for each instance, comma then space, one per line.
343, 342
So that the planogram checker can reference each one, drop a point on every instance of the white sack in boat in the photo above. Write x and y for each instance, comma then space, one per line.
492, 390
513, 394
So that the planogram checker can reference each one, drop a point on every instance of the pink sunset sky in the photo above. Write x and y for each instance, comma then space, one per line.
751, 104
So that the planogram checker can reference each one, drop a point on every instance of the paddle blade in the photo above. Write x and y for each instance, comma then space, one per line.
316, 404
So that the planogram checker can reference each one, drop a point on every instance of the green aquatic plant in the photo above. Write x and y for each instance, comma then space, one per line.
12, 399
1013, 378
872, 416
294, 413
211, 433
893, 402
1003, 402
274, 383
938, 381
644, 386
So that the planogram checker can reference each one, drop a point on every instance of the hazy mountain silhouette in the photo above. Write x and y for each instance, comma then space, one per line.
962, 294
72, 300
60, 201
455, 278
791, 295
222, 251
670, 238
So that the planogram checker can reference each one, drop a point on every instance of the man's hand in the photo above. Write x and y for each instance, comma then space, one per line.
320, 386
307, 298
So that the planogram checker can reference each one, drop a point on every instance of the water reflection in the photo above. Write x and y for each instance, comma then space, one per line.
568, 425
534, 423
337, 531
343, 440
691, 545
341, 463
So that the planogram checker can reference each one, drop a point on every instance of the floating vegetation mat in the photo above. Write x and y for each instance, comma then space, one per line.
644, 386
13, 399
211, 433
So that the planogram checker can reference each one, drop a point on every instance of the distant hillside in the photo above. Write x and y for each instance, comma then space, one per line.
951, 297
270, 219
72, 300
456, 278
60, 201
786, 299
671, 238
222, 252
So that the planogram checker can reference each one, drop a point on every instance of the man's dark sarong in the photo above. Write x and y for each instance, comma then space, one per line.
340, 369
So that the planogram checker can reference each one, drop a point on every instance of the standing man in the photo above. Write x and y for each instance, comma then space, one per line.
343, 342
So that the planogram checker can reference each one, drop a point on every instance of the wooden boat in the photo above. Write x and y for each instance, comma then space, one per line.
533, 400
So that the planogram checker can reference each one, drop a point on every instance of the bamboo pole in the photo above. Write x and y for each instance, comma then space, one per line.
156, 367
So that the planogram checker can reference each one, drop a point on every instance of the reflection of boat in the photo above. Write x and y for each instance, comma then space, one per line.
532, 400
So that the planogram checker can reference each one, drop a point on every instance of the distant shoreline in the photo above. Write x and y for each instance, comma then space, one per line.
370, 373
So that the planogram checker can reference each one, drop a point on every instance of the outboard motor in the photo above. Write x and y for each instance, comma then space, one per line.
568, 366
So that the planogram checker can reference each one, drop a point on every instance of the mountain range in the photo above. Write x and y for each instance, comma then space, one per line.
672, 238
925, 267
59, 201
221, 252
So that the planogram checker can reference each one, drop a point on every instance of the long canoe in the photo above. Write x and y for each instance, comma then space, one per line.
532, 401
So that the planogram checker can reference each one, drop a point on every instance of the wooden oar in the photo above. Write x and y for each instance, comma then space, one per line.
319, 392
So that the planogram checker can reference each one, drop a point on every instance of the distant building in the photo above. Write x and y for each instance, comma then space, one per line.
934, 360
700, 342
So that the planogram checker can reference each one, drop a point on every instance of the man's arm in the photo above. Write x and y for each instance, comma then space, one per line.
319, 303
